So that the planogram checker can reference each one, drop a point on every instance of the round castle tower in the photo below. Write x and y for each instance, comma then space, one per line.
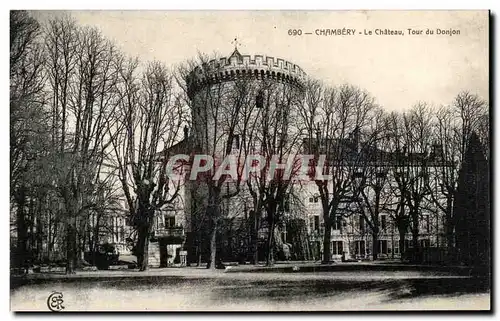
234, 101
222, 86
238, 66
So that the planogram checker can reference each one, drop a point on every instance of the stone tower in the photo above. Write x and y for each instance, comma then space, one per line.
212, 85
232, 98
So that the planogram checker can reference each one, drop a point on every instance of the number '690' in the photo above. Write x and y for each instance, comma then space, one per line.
294, 32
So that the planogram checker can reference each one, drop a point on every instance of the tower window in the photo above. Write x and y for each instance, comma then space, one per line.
316, 222
236, 141
260, 99
359, 248
382, 247
169, 221
383, 222
361, 224
337, 222
337, 248
427, 225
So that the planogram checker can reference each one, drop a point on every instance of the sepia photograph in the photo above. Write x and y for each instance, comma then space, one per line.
271, 160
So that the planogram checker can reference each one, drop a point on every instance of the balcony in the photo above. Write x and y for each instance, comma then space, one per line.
177, 231
172, 235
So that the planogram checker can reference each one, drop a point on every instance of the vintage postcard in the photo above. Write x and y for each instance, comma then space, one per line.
250, 161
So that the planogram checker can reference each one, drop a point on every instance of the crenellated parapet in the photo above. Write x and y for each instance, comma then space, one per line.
237, 66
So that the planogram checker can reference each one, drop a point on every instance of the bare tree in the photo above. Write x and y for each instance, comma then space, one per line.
219, 112
416, 138
399, 183
334, 120
452, 127
372, 191
82, 76
278, 140
28, 118
148, 120
471, 111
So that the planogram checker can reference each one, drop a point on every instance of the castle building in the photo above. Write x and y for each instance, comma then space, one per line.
232, 98
354, 225
234, 101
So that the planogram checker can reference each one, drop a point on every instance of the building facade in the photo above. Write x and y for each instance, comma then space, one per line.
235, 102
220, 88
358, 216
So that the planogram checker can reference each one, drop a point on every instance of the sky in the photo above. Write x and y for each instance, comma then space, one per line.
398, 71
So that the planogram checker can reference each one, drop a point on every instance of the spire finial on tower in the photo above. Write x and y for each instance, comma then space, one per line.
236, 43
236, 53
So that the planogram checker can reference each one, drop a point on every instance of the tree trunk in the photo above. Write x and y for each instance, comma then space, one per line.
255, 238
80, 260
414, 234
95, 245
414, 226
72, 203
450, 226
145, 257
80, 257
402, 235
213, 247
70, 246
270, 241
22, 229
213, 214
199, 255
255, 258
375, 244
199, 248
39, 232
143, 246
327, 251
49, 235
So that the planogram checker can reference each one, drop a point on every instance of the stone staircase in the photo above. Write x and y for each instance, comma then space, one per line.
154, 254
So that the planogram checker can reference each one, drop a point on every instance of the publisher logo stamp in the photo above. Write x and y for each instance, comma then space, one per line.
55, 301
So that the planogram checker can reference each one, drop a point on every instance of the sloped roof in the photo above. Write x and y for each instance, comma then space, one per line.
236, 54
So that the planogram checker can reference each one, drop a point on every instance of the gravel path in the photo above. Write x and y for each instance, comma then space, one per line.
198, 289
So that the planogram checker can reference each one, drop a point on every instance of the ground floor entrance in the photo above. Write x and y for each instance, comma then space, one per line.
166, 252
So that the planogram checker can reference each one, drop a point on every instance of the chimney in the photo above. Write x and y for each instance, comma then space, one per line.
186, 132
